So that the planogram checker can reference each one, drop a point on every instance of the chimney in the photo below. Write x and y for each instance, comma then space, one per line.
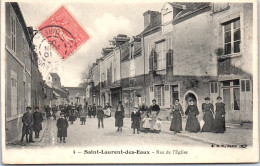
152, 19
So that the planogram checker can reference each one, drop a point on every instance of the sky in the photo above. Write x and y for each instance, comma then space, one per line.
101, 20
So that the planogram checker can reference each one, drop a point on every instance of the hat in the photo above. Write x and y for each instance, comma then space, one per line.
191, 100
28, 108
207, 98
153, 100
120, 102
136, 106
219, 97
176, 100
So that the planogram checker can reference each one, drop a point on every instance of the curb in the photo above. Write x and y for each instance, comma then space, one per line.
195, 138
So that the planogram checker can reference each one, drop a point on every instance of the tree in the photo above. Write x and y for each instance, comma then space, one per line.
85, 74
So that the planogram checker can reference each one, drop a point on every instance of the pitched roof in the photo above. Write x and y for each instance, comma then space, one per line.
60, 92
189, 7
54, 75
76, 91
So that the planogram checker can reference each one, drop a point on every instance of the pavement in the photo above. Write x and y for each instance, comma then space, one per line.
16, 140
89, 134
234, 135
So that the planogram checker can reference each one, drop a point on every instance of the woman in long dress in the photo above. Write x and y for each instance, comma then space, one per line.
208, 110
119, 116
219, 125
177, 112
192, 111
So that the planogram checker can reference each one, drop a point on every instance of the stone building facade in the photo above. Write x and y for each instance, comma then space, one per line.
22, 76
187, 50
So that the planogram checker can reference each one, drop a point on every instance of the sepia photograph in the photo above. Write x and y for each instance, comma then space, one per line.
129, 82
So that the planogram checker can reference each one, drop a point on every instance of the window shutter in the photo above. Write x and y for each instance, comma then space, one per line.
211, 87
247, 85
154, 59
243, 85
151, 63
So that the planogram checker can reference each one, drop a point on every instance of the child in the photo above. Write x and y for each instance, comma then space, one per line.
83, 115
157, 126
135, 117
62, 125
147, 123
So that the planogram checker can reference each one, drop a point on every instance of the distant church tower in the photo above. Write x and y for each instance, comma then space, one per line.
53, 80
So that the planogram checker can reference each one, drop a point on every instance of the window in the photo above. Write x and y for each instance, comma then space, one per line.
131, 51
232, 36
174, 93
160, 49
169, 59
245, 85
167, 87
13, 33
159, 94
13, 93
218, 7
166, 21
231, 94
213, 87
151, 88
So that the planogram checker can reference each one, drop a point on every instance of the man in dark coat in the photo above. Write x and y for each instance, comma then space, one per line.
37, 126
119, 116
27, 125
100, 116
154, 111
94, 110
62, 125
48, 111
54, 111
89, 111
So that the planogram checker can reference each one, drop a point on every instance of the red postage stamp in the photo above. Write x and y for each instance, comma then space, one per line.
63, 32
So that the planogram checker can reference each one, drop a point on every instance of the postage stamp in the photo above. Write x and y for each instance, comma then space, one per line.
63, 32
158, 83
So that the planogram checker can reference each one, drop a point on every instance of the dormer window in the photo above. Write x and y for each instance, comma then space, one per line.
167, 21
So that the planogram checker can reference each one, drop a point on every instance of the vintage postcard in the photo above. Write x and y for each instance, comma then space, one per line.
129, 82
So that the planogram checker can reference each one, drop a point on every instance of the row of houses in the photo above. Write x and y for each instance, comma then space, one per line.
24, 84
187, 50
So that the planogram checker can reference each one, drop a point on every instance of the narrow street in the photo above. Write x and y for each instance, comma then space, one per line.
90, 135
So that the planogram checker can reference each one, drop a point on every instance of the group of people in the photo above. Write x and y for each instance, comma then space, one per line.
32, 121
213, 120
143, 119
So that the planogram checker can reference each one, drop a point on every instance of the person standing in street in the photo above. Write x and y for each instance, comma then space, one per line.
208, 110
100, 116
48, 111
219, 123
119, 116
177, 113
83, 116
192, 112
62, 125
37, 126
27, 125
54, 111
154, 111
94, 110
89, 111
135, 118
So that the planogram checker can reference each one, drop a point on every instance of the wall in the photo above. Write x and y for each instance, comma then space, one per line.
18, 62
